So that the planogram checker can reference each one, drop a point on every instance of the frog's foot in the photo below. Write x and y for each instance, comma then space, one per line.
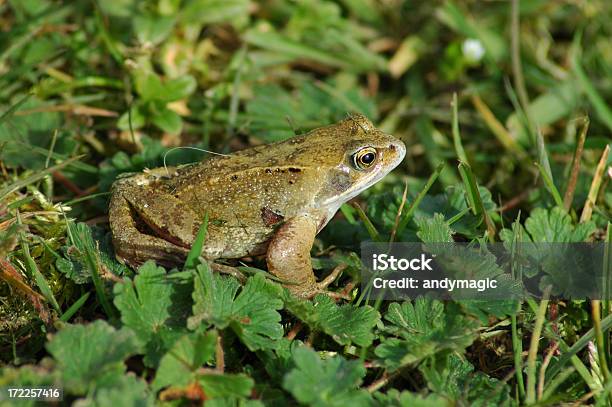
322, 286
331, 277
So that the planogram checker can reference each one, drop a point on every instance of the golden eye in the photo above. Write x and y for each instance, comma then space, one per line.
364, 158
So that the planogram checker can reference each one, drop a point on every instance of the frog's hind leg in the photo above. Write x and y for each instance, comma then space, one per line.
132, 246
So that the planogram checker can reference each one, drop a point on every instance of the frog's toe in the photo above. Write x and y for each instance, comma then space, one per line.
331, 277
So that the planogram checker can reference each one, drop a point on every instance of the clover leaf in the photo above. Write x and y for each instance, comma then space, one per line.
155, 305
251, 314
423, 329
92, 356
346, 324
330, 382
182, 366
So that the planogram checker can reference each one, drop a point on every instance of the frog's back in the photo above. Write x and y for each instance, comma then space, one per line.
247, 197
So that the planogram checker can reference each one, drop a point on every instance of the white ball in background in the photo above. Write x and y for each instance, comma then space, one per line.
472, 50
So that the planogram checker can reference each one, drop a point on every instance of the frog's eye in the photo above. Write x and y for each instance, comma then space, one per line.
364, 158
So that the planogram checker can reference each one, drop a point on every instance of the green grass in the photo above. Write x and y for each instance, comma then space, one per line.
511, 145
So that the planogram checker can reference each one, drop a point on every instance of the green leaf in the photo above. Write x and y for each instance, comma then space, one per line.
316, 31
137, 117
277, 361
90, 355
562, 265
330, 382
152, 29
128, 390
346, 324
178, 88
117, 8
148, 85
475, 261
167, 120
95, 240
214, 11
395, 398
227, 385
34, 271
434, 230
454, 377
27, 376
251, 314
155, 305
422, 330
555, 225
198, 244
181, 366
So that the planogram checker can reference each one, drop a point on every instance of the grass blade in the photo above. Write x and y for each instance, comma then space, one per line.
474, 198
14, 107
599, 339
198, 244
74, 308
374, 235
543, 155
580, 344
282, 45
556, 382
517, 347
595, 185
533, 349
607, 283
35, 177
406, 218
550, 185
348, 213
456, 136
498, 129
471, 188
517, 69
595, 98
92, 260
573, 179
40, 279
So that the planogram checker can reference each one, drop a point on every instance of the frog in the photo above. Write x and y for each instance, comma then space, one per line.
267, 200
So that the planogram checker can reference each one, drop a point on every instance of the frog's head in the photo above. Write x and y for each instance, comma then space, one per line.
355, 155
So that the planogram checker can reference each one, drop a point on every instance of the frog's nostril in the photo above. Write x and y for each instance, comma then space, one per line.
400, 149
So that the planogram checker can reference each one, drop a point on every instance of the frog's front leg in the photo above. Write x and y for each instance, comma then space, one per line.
288, 256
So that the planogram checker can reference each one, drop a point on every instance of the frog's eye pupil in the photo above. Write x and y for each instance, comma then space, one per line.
367, 158
364, 158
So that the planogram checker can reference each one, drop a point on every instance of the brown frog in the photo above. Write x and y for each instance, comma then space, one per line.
269, 199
